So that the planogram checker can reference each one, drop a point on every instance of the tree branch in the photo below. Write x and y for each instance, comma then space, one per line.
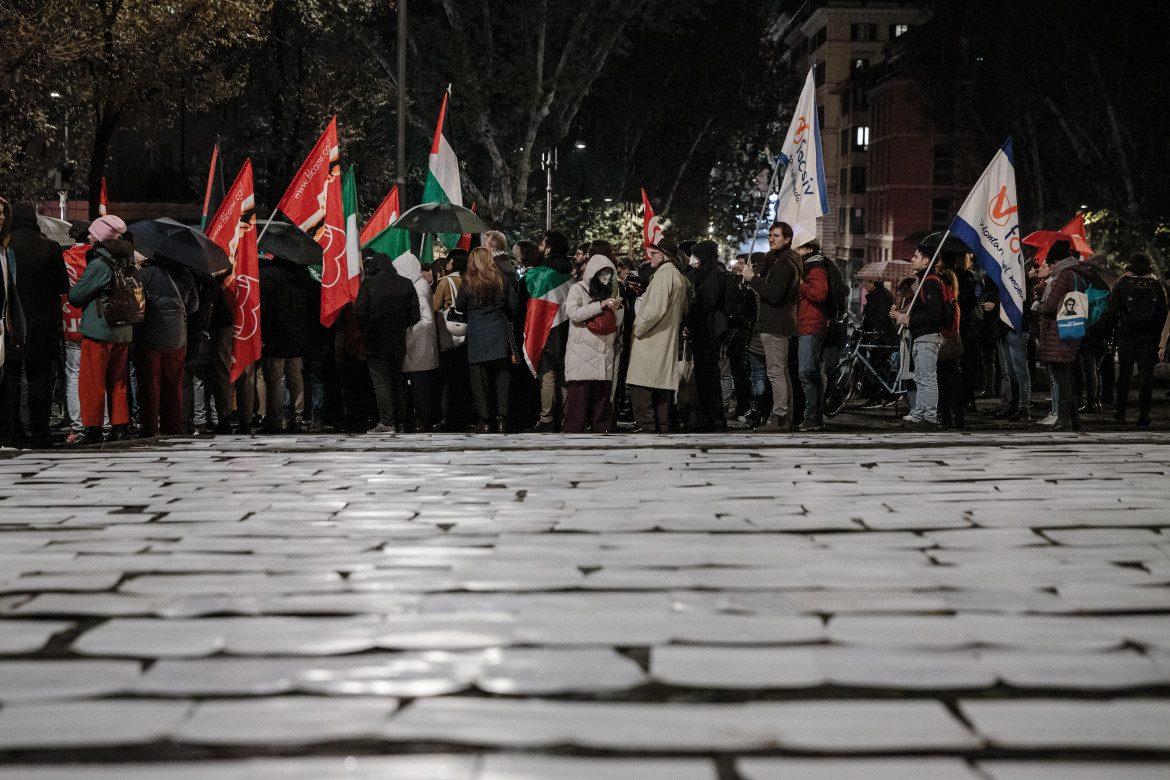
682, 169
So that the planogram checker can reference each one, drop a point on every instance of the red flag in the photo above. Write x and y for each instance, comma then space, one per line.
386, 213
1073, 232
651, 225
103, 200
233, 228
313, 203
71, 315
465, 239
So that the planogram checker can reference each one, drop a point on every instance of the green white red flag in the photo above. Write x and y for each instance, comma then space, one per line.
103, 200
547, 290
353, 252
314, 203
233, 229
443, 173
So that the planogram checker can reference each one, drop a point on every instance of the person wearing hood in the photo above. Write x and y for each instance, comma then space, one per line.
105, 348
488, 301
160, 342
284, 334
1059, 276
550, 371
653, 376
422, 343
41, 279
594, 310
1137, 305
386, 307
709, 328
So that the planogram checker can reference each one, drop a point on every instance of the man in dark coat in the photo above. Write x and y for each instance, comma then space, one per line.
1137, 307
386, 307
550, 373
160, 343
40, 281
709, 329
284, 333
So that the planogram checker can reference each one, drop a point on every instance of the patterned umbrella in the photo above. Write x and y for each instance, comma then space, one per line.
892, 271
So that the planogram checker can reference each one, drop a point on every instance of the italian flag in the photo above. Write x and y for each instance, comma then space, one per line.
353, 254
443, 174
383, 216
548, 290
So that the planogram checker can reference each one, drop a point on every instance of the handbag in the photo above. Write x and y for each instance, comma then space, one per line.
453, 329
602, 324
1072, 315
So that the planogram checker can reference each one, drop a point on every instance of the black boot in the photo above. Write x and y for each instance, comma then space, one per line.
92, 435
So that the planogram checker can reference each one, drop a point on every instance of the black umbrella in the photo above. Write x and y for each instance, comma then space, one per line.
440, 218
178, 242
288, 242
931, 239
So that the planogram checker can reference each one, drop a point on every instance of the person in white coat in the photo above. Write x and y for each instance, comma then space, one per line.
422, 344
594, 309
653, 377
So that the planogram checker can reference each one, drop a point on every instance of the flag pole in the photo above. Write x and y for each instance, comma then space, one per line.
928, 267
266, 224
764, 208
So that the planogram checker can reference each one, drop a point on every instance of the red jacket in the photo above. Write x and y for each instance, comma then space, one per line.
812, 314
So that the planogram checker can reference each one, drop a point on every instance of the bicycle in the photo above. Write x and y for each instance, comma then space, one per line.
866, 357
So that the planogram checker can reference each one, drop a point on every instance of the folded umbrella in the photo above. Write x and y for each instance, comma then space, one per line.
288, 242
181, 243
892, 271
440, 218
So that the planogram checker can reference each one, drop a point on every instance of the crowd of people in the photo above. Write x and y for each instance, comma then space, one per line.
677, 341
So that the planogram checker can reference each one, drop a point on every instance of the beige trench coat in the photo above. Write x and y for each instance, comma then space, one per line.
654, 348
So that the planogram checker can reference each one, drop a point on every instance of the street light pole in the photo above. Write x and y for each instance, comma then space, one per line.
63, 191
401, 99
548, 161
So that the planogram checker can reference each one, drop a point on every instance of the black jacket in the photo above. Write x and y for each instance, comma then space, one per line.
706, 319
927, 315
875, 317
170, 299
386, 306
777, 282
41, 278
488, 323
283, 316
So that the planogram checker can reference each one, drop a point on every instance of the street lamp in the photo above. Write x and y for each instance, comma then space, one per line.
548, 161
66, 168
580, 144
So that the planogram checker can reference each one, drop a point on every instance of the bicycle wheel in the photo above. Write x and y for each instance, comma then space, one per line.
839, 387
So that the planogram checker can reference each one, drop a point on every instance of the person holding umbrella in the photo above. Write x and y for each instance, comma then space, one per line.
160, 342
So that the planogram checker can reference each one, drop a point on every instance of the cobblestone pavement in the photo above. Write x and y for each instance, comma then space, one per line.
629, 608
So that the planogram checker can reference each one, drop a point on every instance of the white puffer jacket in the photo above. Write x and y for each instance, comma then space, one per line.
422, 340
589, 357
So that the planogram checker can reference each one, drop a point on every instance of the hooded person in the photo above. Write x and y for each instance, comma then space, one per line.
40, 281
709, 329
422, 342
1137, 305
653, 377
594, 309
105, 348
1059, 274
160, 343
284, 333
385, 309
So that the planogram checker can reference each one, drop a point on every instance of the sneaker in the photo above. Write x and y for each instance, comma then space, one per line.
541, 427
910, 418
811, 424
380, 428
1049, 420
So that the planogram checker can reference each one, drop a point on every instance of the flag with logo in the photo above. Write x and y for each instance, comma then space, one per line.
443, 174
803, 196
547, 290
385, 214
989, 224
103, 200
71, 315
233, 229
651, 226
313, 203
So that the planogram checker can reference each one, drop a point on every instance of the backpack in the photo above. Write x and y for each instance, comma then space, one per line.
125, 299
950, 324
837, 290
1142, 303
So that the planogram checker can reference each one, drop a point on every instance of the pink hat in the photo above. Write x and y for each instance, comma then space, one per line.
107, 227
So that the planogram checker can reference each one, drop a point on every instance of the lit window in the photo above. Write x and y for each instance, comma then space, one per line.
861, 140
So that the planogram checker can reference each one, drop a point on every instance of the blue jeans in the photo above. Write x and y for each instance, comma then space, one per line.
757, 379
924, 352
809, 354
1016, 352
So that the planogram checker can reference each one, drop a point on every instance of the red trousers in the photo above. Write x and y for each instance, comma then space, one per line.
588, 405
102, 378
160, 389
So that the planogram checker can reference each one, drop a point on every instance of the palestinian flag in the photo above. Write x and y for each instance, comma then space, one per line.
213, 196
383, 216
103, 200
465, 239
546, 309
651, 225
443, 174
313, 203
233, 228
353, 253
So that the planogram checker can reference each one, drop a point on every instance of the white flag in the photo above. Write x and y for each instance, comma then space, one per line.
802, 192
989, 224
